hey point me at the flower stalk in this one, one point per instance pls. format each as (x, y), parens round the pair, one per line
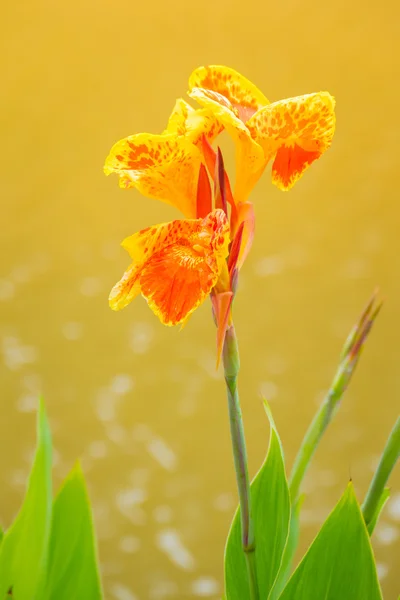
(348, 361)
(231, 364)
(391, 454)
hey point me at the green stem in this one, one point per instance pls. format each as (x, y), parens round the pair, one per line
(388, 460)
(231, 370)
(310, 442)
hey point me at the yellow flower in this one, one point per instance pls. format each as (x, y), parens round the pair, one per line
(166, 166)
(295, 132)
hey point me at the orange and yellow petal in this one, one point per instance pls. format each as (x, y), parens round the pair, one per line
(297, 130)
(164, 167)
(144, 243)
(250, 161)
(175, 281)
(244, 97)
(126, 289)
(175, 266)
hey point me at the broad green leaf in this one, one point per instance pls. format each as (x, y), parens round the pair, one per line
(271, 516)
(382, 501)
(289, 552)
(72, 570)
(339, 563)
(23, 551)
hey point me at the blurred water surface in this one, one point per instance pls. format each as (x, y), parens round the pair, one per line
(140, 403)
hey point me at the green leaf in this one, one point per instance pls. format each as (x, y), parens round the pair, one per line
(23, 551)
(289, 552)
(73, 570)
(271, 516)
(340, 562)
(379, 507)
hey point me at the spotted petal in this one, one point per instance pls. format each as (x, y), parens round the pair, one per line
(296, 131)
(244, 97)
(175, 266)
(166, 166)
(250, 161)
(193, 124)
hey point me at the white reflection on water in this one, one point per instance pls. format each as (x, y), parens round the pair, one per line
(394, 506)
(72, 331)
(356, 268)
(382, 570)
(121, 384)
(128, 499)
(129, 544)
(121, 592)
(162, 453)
(205, 586)
(28, 401)
(97, 449)
(91, 286)
(386, 534)
(162, 514)
(7, 289)
(163, 589)
(268, 390)
(269, 265)
(109, 398)
(141, 337)
(169, 541)
(21, 274)
(16, 354)
(224, 502)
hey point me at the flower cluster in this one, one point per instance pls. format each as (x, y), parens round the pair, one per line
(176, 265)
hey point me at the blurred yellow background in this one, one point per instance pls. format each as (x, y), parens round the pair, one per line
(139, 403)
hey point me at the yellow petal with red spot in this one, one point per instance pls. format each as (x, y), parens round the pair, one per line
(164, 167)
(177, 119)
(176, 265)
(126, 289)
(244, 97)
(297, 130)
(192, 124)
(144, 243)
(250, 161)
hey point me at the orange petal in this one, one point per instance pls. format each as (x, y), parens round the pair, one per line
(164, 167)
(204, 198)
(244, 97)
(178, 278)
(289, 165)
(298, 130)
(250, 161)
(210, 158)
(246, 216)
(176, 281)
(222, 310)
(141, 246)
(144, 243)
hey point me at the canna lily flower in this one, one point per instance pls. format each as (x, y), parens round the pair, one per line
(176, 265)
(293, 132)
(166, 166)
